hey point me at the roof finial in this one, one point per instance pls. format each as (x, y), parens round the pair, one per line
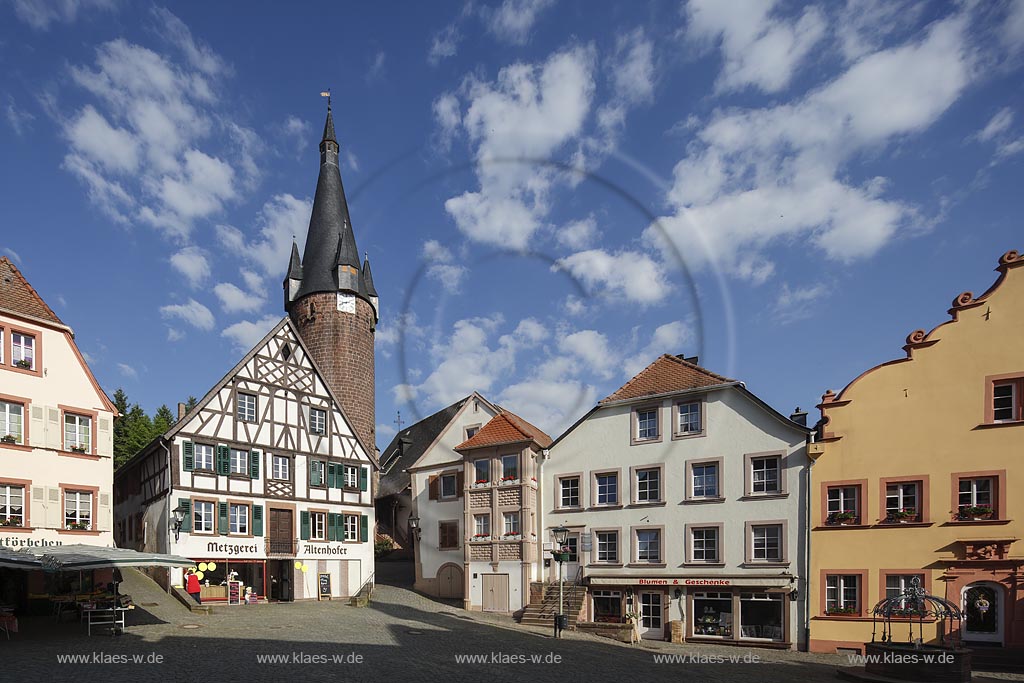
(327, 94)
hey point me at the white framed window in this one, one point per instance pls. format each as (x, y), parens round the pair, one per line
(202, 517)
(318, 526)
(607, 488)
(511, 523)
(764, 474)
(897, 584)
(902, 499)
(705, 480)
(317, 421)
(203, 456)
(77, 432)
(12, 505)
(569, 492)
(78, 509)
(239, 461)
(23, 350)
(843, 501)
(246, 407)
(471, 431)
(704, 544)
(766, 544)
(449, 486)
(482, 471)
(646, 424)
(648, 545)
(1006, 401)
(12, 422)
(607, 546)
(351, 477)
(689, 418)
(481, 526)
(842, 593)
(510, 467)
(280, 468)
(351, 527)
(238, 519)
(648, 485)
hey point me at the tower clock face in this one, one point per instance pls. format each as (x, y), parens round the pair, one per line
(346, 303)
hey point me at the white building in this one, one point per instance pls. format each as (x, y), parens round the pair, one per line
(686, 496)
(56, 426)
(269, 477)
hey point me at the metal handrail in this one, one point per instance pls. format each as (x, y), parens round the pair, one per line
(369, 580)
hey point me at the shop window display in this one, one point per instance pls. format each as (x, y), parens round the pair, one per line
(761, 616)
(608, 607)
(712, 615)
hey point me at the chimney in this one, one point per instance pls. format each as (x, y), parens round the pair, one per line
(799, 416)
(181, 411)
(691, 359)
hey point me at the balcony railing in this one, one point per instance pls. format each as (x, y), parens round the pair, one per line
(282, 546)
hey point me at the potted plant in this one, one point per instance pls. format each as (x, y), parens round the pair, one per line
(481, 537)
(903, 515)
(481, 482)
(24, 364)
(975, 512)
(78, 526)
(7, 521)
(79, 448)
(843, 518)
(8, 438)
(842, 611)
(510, 479)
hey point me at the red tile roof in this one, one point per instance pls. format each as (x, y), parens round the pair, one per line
(666, 375)
(18, 296)
(506, 427)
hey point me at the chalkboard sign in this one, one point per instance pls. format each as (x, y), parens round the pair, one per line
(234, 592)
(324, 583)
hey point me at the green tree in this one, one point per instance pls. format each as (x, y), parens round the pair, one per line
(163, 420)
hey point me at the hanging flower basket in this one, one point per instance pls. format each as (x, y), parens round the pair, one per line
(560, 557)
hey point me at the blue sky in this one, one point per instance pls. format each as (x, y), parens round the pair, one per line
(551, 194)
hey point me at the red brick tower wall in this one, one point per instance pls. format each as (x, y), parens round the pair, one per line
(342, 346)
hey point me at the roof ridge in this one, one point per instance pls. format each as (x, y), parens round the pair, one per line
(632, 388)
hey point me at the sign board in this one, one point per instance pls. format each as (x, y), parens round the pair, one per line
(234, 592)
(323, 581)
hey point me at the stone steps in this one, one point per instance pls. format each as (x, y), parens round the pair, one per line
(542, 612)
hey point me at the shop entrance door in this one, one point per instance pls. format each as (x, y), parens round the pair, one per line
(279, 580)
(983, 606)
(651, 625)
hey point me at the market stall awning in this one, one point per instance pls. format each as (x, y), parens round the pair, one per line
(13, 559)
(80, 557)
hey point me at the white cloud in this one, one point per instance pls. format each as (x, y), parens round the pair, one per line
(444, 44)
(193, 264)
(513, 20)
(574, 305)
(633, 67)
(794, 304)
(127, 371)
(198, 54)
(39, 14)
(448, 117)
(528, 114)
(246, 333)
(591, 347)
(191, 312)
(375, 70)
(281, 218)
(758, 49)
(628, 275)
(351, 160)
(252, 280)
(402, 327)
(578, 234)
(449, 276)
(434, 251)
(298, 132)
(18, 119)
(551, 404)
(235, 300)
(92, 136)
(863, 25)
(670, 338)
(759, 176)
(174, 334)
(385, 432)
(1012, 28)
(997, 125)
(13, 254)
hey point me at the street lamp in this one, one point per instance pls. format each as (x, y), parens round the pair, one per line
(179, 519)
(414, 524)
(561, 535)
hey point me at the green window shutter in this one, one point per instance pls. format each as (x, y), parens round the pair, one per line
(331, 475)
(304, 525)
(315, 474)
(188, 456)
(257, 520)
(332, 532)
(364, 528)
(364, 479)
(223, 460)
(186, 505)
(254, 464)
(223, 519)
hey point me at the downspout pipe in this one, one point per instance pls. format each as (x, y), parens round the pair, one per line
(167, 507)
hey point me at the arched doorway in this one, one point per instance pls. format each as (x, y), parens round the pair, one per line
(983, 613)
(449, 582)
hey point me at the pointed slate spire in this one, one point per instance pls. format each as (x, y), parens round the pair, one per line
(294, 264)
(329, 127)
(348, 253)
(368, 278)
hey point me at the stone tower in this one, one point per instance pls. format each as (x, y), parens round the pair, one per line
(331, 298)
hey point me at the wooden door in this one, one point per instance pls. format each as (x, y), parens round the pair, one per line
(449, 581)
(495, 588)
(280, 531)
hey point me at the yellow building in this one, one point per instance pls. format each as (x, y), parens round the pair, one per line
(920, 472)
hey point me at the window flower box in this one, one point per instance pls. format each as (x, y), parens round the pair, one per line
(7, 521)
(481, 482)
(79, 449)
(902, 516)
(510, 480)
(8, 438)
(844, 518)
(23, 364)
(842, 611)
(513, 535)
(907, 612)
(975, 512)
(78, 526)
(481, 537)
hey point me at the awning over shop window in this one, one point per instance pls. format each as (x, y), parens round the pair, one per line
(13, 559)
(81, 557)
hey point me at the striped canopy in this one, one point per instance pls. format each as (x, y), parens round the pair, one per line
(18, 560)
(77, 556)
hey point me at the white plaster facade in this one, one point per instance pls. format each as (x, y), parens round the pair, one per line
(735, 431)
